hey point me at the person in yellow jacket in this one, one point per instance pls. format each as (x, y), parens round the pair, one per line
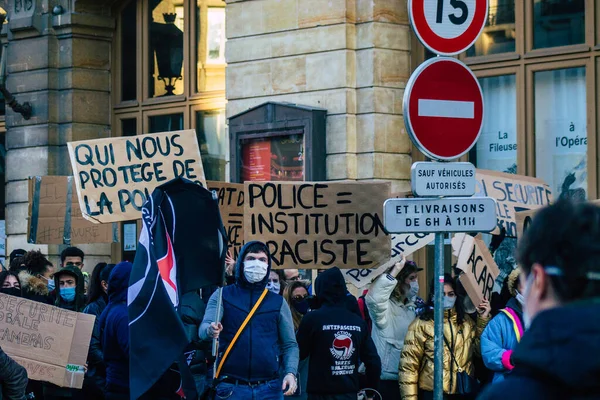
(461, 339)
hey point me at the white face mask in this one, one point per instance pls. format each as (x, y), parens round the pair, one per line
(274, 287)
(526, 316)
(414, 290)
(520, 299)
(255, 270)
(449, 302)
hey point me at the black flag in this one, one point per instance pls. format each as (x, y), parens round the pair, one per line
(182, 248)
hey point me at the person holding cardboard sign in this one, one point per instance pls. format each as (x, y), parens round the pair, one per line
(391, 306)
(461, 339)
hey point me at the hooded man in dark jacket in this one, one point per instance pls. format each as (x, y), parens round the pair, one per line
(70, 289)
(558, 357)
(114, 333)
(251, 370)
(69, 295)
(336, 339)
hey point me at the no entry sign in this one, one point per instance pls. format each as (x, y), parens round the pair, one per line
(448, 27)
(443, 108)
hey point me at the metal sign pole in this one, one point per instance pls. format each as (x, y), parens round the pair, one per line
(438, 317)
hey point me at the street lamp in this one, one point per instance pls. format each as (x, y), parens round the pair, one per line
(167, 41)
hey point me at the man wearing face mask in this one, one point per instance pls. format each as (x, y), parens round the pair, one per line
(251, 369)
(69, 296)
(391, 305)
(559, 354)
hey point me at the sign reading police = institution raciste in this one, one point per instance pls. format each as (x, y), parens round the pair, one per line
(450, 214)
(434, 179)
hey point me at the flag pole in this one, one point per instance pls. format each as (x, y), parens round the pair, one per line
(215, 341)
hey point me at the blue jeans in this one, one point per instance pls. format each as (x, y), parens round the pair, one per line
(267, 391)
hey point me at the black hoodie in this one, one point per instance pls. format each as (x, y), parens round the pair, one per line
(336, 339)
(557, 359)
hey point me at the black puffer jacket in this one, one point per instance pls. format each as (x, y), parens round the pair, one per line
(95, 357)
(13, 379)
(557, 359)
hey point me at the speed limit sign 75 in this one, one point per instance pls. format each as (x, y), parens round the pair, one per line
(448, 27)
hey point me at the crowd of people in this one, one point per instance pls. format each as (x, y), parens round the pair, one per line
(537, 339)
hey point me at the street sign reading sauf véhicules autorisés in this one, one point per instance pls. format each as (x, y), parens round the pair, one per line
(433, 179)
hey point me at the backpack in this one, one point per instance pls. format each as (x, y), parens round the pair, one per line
(364, 311)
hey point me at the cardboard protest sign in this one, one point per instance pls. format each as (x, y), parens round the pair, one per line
(50, 342)
(115, 176)
(402, 243)
(524, 219)
(480, 269)
(231, 205)
(513, 193)
(319, 225)
(55, 217)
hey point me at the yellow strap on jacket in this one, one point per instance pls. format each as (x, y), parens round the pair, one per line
(239, 332)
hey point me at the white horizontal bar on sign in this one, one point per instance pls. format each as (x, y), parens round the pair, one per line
(446, 108)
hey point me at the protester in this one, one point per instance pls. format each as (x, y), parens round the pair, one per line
(17, 264)
(36, 278)
(10, 284)
(336, 339)
(69, 296)
(559, 355)
(251, 369)
(13, 379)
(296, 295)
(72, 256)
(391, 307)
(95, 377)
(461, 339)
(290, 275)
(274, 282)
(504, 332)
(69, 282)
(16, 253)
(114, 328)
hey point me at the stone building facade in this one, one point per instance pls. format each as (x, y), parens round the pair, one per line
(90, 69)
(350, 57)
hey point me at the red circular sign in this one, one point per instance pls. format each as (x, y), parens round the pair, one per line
(448, 27)
(443, 108)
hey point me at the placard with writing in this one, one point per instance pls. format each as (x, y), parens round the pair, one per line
(55, 216)
(513, 193)
(319, 225)
(231, 205)
(480, 269)
(50, 342)
(406, 243)
(115, 176)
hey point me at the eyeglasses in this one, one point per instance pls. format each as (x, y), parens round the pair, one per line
(294, 278)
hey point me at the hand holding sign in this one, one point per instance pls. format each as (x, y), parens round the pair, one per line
(398, 266)
(484, 309)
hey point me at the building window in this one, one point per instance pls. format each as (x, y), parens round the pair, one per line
(170, 73)
(213, 142)
(499, 33)
(561, 130)
(496, 148)
(558, 23)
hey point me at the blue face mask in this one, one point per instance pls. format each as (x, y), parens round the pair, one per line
(67, 294)
(301, 306)
(51, 284)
